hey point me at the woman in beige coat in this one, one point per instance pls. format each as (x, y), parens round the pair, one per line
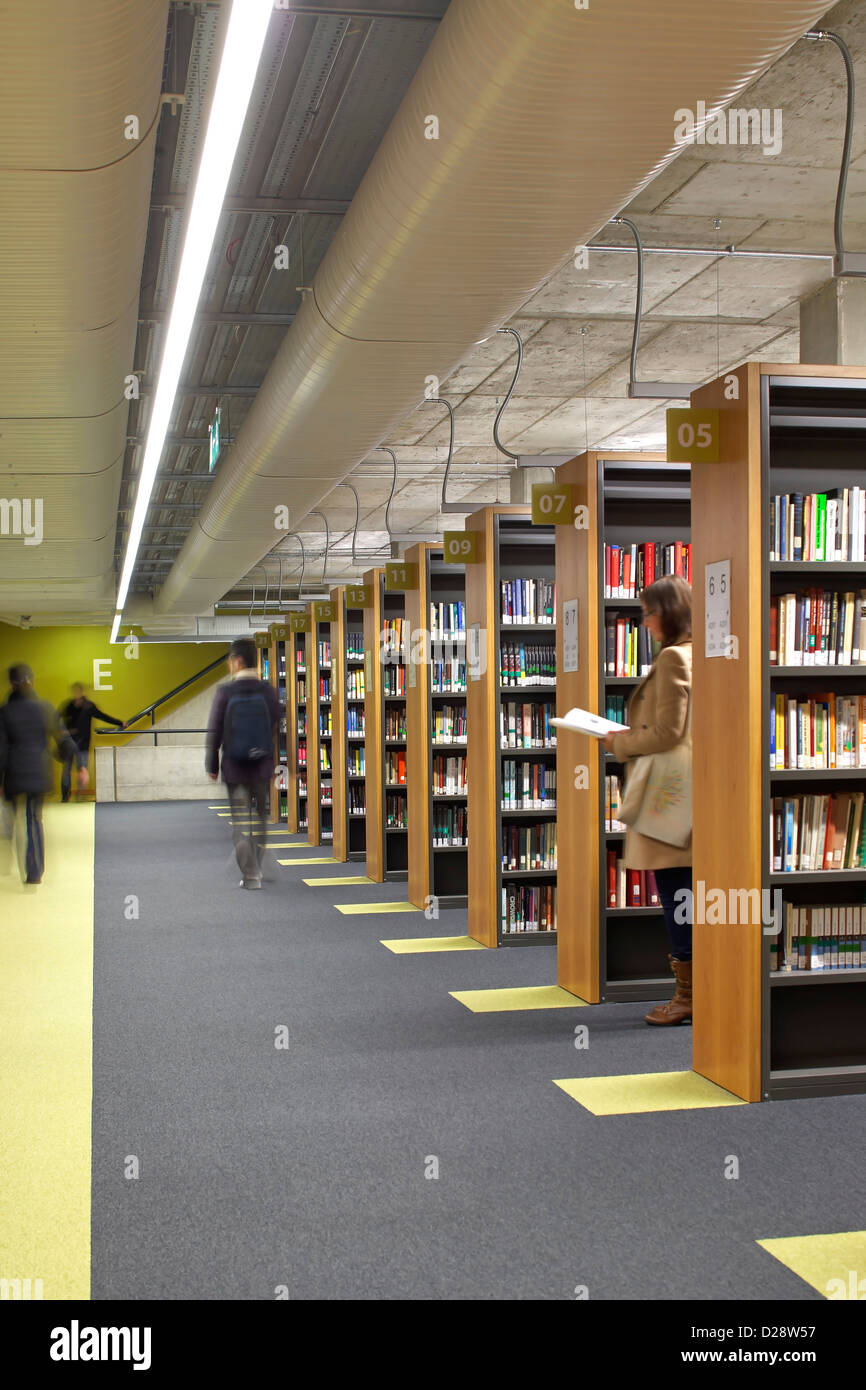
(658, 719)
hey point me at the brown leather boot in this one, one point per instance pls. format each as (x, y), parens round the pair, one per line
(679, 1010)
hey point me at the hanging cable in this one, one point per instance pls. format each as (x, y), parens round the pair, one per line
(386, 450)
(327, 543)
(439, 400)
(354, 492)
(496, 440)
(827, 35)
(303, 563)
(635, 337)
(280, 594)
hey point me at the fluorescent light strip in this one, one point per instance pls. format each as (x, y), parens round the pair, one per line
(245, 39)
(114, 629)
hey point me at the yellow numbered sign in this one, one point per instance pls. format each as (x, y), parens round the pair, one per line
(552, 504)
(325, 612)
(299, 622)
(693, 436)
(359, 596)
(399, 576)
(263, 639)
(461, 547)
(278, 632)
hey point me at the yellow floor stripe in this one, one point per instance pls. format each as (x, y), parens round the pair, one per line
(307, 861)
(331, 882)
(494, 1001)
(835, 1265)
(372, 909)
(46, 1027)
(647, 1093)
(420, 945)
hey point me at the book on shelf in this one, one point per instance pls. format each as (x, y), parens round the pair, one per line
(324, 687)
(393, 638)
(357, 762)
(629, 887)
(448, 675)
(325, 728)
(527, 725)
(355, 685)
(395, 724)
(818, 627)
(817, 732)
(355, 725)
(447, 621)
(820, 833)
(524, 664)
(324, 649)
(613, 791)
(630, 568)
(527, 601)
(449, 775)
(528, 786)
(449, 827)
(528, 847)
(528, 908)
(395, 812)
(302, 691)
(355, 645)
(628, 647)
(395, 768)
(394, 680)
(357, 799)
(449, 724)
(826, 936)
(325, 759)
(828, 527)
(583, 721)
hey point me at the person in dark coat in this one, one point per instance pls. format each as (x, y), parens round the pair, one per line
(27, 726)
(241, 739)
(78, 715)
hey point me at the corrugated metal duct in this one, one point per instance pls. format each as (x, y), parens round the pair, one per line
(74, 193)
(550, 119)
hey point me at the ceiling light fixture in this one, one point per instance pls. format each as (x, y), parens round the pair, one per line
(245, 37)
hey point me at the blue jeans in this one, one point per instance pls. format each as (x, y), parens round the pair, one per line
(30, 803)
(670, 882)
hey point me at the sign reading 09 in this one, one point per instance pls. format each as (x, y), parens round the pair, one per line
(461, 547)
(693, 436)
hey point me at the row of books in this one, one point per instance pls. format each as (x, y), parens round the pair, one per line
(355, 684)
(447, 620)
(325, 724)
(302, 784)
(528, 907)
(615, 707)
(324, 650)
(630, 568)
(526, 726)
(449, 724)
(324, 687)
(395, 812)
(324, 759)
(820, 731)
(393, 680)
(300, 657)
(355, 645)
(526, 663)
(355, 721)
(394, 636)
(302, 692)
(628, 648)
(815, 833)
(829, 936)
(302, 754)
(526, 847)
(326, 794)
(395, 723)
(629, 887)
(612, 802)
(527, 601)
(395, 768)
(818, 627)
(448, 676)
(356, 762)
(449, 775)
(449, 827)
(820, 526)
(528, 786)
(302, 724)
(357, 799)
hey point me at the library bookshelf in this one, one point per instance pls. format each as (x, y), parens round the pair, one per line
(280, 785)
(347, 718)
(435, 682)
(760, 1030)
(387, 835)
(320, 756)
(509, 907)
(605, 952)
(296, 720)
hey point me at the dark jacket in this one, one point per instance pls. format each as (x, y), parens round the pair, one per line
(232, 771)
(27, 726)
(78, 719)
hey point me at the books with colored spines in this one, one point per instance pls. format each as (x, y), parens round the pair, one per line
(817, 833)
(523, 664)
(528, 908)
(527, 601)
(630, 568)
(817, 732)
(395, 812)
(449, 775)
(818, 627)
(528, 786)
(449, 724)
(627, 647)
(629, 887)
(395, 768)
(447, 621)
(526, 725)
(817, 527)
(449, 827)
(529, 847)
(826, 936)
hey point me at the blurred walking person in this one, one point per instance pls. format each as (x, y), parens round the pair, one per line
(77, 715)
(240, 740)
(28, 725)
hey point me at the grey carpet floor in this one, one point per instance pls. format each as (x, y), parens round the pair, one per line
(305, 1167)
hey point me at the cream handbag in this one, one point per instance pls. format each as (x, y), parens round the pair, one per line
(658, 794)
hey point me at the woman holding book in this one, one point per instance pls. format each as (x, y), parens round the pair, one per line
(658, 720)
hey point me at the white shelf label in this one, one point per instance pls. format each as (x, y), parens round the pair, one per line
(569, 635)
(717, 606)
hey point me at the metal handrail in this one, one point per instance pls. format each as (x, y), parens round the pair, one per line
(162, 700)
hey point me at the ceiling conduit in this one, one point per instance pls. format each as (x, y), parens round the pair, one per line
(547, 120)
(75, 193)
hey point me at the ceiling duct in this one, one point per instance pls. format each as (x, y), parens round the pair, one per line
(526, 128)
(78, 80)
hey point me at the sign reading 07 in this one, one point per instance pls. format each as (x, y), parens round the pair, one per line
(359, 596)
(299, 622)
(325, 612)
(461, 547)
(400, 576)
(552, 504)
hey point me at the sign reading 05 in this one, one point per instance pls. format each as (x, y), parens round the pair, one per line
(693, 436)
(461, 547)
(325, 612)
(552, 504)
(359, 596)
(400, 576)
(299, 622)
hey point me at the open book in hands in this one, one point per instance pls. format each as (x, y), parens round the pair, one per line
(582, 721)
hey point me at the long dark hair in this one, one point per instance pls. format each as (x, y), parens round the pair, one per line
(670, 599)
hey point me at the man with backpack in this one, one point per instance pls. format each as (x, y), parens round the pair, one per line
(243, 721)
